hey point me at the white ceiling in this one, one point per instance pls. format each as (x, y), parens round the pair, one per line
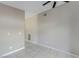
(30, 7)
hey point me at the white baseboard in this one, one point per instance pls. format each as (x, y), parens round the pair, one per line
(66, 52)
(6, 54)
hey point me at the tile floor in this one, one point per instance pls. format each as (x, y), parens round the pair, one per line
(36, 51)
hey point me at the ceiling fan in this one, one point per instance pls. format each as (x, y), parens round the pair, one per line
(54, 4)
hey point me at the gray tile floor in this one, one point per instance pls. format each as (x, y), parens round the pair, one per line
(36, 51)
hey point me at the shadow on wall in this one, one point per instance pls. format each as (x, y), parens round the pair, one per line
(74, 28)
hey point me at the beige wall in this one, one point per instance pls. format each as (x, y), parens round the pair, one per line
(11, 29)
(32, 28)
(59, 29)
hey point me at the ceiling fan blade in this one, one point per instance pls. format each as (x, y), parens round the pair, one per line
(66, 1)
(54, 4)
(46, 3)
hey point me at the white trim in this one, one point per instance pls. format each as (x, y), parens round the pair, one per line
(66, 52)
(6, 54)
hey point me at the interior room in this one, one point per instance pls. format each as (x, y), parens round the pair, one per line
(39, 29)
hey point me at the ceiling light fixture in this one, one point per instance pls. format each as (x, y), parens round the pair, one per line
(54, 4)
